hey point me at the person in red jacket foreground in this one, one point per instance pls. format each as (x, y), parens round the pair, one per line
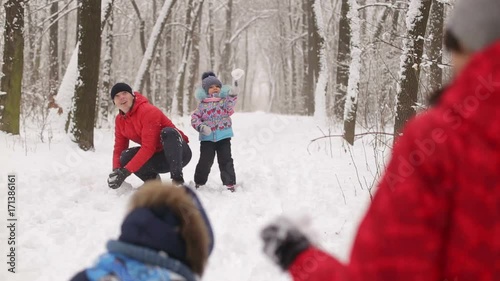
(436, 213)
(164, 148)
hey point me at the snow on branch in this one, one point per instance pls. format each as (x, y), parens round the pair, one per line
(246, 25)
(387, 5)
(153, 41)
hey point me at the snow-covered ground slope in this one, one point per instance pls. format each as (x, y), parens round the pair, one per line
(66, 212)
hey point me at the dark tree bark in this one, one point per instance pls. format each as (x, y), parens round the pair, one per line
(142, 30)
(169, 81)
(53, 54)
(152, 43)
(343, 60)
(211, 34)
(225, 68)
(351, 101)
(181, 73)
(195, 58)
(305, 56)
(89, 36)
(313, 65)
(410, 70)
(436, 45)
(12, 68)
(105, 103)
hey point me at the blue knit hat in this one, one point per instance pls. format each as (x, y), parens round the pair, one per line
(208, 79)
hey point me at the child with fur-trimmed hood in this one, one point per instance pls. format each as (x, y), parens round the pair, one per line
(212, 120)
(165, 236)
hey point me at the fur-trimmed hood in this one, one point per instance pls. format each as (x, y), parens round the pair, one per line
(171, 219)
(201, 94)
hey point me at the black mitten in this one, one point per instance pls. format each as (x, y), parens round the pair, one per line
(283, 242)
(117, 177)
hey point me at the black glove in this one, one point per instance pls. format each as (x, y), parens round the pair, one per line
(283, 242)
(117, 177)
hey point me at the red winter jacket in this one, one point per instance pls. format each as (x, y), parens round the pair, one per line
(142, 124)
(436, 213)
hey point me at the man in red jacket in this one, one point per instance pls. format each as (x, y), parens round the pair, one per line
(436, 213)
(164, 148)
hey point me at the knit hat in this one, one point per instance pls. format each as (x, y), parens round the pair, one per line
(208, 79)
(169, 219)
(120, 87)
(475, 23)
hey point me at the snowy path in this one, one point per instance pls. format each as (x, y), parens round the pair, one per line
(67, 213)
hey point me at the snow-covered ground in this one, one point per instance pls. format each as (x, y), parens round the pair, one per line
(66, 212)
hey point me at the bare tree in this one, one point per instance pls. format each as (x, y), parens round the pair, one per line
(313, 62)
(89, 36)
(321, 79)
(408, 84)
(343, 60)
(435, 52)
(191, 14)
(105, 104)
(53, 49)
(211, 34)
(351, 101)
(12, 69)
(153, 41)
(142, 36)
(225, 68)
(194, 64)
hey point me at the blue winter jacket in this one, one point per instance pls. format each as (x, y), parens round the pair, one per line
(127, 262)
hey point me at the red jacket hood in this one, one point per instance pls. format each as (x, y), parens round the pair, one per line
(474, 95)
(138, 100)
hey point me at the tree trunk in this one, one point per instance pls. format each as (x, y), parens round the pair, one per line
(142, 30)
(89, 36)
(293, 58)
(211, 34)
(436, 45)
(395, 22)
(64, 44)
(245, 78)
(53, 54)
(305, 57)
(105, 104)
(285, 96)
(343, 61)
(313, 65)
(351, 103)
(225, 68)
(34, 45)
(169, 82)
(321, 68)
(408, 83)
(195, 59)
(153, 41)
(382, 21)
(181, 72)
(12, 68)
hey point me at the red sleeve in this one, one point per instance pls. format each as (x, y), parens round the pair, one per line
(316, 265)
(403, 234)
(151, 128)
(121, 143)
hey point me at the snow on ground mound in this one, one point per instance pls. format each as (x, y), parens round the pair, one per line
(67, 213)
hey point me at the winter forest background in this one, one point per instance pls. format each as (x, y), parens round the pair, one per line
(362, 65)
(328, 85)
